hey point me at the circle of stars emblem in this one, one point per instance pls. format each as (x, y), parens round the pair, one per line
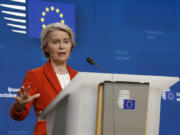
(129, 104)
(51, 9)
(170, 96)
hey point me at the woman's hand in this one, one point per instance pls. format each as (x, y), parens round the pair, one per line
(23, 98)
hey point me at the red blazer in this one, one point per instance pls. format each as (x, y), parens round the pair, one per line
(42, 80)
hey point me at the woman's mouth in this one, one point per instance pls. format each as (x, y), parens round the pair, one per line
(61, 53)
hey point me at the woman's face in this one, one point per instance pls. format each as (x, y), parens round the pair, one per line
(59, 46)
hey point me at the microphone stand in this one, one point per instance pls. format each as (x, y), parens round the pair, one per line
(92, 62)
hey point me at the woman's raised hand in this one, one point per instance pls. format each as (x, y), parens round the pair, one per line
(23, 98)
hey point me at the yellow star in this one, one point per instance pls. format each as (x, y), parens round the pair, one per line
(61, 15)
(43, 13)
(62, 21)
(52, 8)
(42, 19)
(57, 10)
(47, 9)
(43, 26)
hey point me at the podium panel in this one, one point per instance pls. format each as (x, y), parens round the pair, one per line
(118, 118)
(59, 123)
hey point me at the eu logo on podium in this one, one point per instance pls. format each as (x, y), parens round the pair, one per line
(171, 96)
(129, 104)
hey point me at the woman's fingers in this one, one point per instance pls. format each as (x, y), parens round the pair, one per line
(20, 92)
(35, 96)
(31, 98)
(23, 95)
(27, 90)
(22, 100)
(17, 98)
(24, 92)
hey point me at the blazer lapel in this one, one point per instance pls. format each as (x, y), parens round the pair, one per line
(51, 76)
(71, 71)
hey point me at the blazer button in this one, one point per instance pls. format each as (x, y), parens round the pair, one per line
(39, 112)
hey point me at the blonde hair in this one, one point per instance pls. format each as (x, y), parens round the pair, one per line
(53, 27)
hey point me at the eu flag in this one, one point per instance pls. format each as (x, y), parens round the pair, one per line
(129, 104)
(170, 96)
(42, 13)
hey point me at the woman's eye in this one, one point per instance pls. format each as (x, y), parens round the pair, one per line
(55, 42)
(66, 41)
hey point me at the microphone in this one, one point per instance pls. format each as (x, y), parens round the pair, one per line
(92, 62)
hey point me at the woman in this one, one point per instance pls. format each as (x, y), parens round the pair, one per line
(43, 84)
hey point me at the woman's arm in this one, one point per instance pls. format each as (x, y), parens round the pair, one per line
(25, 98)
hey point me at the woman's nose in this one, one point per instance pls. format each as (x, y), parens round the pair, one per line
(61, 45)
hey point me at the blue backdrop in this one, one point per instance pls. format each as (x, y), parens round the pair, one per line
(124, 36)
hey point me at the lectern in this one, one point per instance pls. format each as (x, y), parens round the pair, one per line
(93, 104)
